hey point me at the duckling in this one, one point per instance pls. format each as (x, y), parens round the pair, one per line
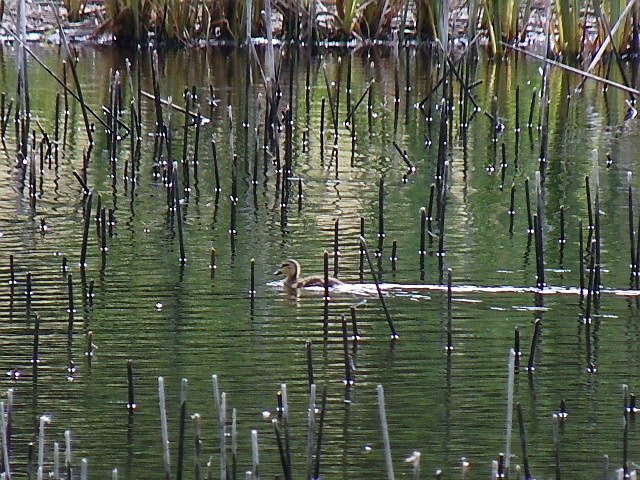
(291, 270)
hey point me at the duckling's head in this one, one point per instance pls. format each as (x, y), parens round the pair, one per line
(289, 268)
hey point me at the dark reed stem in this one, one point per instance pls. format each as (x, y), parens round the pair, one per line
(637, 256)
(35, 358)
(71, 310)
(131, 402)
(517, 118)
(309, 351)
(381, 208)
(85, 231)
(363, 246)
(423, 232)
(563, 238)
(28, 294)
(632, 241)
(581, 256)
(587, 186)
(591, 284)
(323, 409)
(532, 108)
(178, 211)
(523, 443)
(361, 251)
(103, 231)
(394, 255)
(252, 290)
(527, 195)
(325, 279)
(215, 165)
(512, 208)
(336, 246)
(197, 442)
(539, 243)
(212, 264)
(354, 323)
(449, 313)
(537, 328)
(432, 192)
(556, 444)
(322, 132)
(405, 157)
(516, 348)
(282, 455)
(181, 431)
(76, 80)
(345, 350)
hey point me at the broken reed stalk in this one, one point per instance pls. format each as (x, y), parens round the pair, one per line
(363, 246)
(85, 231)
(385, 432)
(164, 429)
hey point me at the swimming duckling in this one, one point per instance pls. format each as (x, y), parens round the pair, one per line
(291, 269)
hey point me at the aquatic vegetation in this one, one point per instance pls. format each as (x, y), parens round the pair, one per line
(576, 28)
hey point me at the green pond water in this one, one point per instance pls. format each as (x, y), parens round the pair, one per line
(176, 321)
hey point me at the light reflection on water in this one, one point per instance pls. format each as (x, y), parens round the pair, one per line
(177, 322)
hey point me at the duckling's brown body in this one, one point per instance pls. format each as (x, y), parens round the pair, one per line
(291, 270)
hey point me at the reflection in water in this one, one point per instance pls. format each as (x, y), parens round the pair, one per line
(444, 380)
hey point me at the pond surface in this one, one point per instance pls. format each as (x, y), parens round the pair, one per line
(176, 320)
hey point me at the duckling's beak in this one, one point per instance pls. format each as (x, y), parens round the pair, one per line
(278, 272)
